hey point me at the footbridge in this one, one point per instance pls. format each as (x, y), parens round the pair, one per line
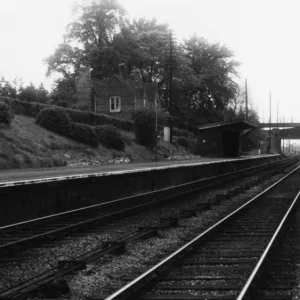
(282, 131)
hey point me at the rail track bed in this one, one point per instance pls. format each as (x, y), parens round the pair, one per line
(229, 260)
(80, 262)
(29, 233)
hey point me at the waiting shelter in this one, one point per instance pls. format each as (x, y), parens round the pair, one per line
(222, 139)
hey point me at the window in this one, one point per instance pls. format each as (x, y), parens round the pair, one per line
(114, 104)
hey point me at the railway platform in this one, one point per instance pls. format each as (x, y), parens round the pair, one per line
(30, 194)
(32, 176)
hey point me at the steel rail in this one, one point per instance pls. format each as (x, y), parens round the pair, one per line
(266, 252)
(144, 279)
(172, 191)
(116, 201)
(73, 264)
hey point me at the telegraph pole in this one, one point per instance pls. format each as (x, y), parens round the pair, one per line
(270, 131)
(277, 114)
(170, 86)
(246, 96)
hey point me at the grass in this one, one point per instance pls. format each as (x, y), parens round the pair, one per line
(27, 145)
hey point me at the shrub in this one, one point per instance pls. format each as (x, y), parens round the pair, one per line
(188, 126)
(56, 120)
(182, 132)
(94, 119)
(182, 141)
(32, 109)
(6, 114)
(84, 133)
(144, 127)
(110, 136)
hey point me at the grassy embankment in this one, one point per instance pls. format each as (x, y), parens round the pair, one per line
(27, 145)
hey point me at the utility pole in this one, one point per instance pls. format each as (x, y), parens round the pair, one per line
(170, 86)
(277, 114)
(270, 131)
(246, 96)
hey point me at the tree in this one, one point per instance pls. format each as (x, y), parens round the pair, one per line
(236, 110)
(31, 94)
(63, 91)
(102, 38)
(214, 70)
(93, 33)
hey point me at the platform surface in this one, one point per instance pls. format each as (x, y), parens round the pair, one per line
(30, 176)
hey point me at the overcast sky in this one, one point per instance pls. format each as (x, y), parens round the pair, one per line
(264, 34)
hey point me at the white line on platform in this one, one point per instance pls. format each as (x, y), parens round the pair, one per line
(105, 173)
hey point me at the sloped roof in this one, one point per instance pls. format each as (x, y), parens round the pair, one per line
(242, 125)
(99, 87)
(137, 88)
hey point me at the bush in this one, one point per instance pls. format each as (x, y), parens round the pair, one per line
(188, 126)
(182, 141)
(182, 132)
(110, 136)
(94, 119)
(83, 133)
(25, 108)
(54, 119)
(144, 127)
(6, 114)
(32, 109)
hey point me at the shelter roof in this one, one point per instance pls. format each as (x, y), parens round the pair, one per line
(240, 125)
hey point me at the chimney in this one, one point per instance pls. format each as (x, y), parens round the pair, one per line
(84, 88)
(136, 75)
(122, 70)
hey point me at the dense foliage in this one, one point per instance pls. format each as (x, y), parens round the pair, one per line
(32, 109)
(56, 120)
(110, 136)
(183, 132)
(6, 114)
(29, 93)
(182, 141)
(202, 73)
(83, 133)
(144, 127)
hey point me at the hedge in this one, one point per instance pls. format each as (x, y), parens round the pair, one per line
(58, 121)
(110, 136)
(187, 126)
(144, 127)
(182, 141)
(182, 132)
(6, 114)
(32, 109)
(55, 120)
(84, 133)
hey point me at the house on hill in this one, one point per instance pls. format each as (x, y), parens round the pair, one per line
(117, 96)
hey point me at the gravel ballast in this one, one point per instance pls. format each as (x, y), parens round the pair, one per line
(101, 279)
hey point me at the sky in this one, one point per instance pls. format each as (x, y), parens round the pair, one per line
(264, 35)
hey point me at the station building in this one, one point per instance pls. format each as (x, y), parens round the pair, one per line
(222, 139)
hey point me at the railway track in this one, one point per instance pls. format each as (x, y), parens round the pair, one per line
(14, 237)
(68, 266)
(231, 258)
